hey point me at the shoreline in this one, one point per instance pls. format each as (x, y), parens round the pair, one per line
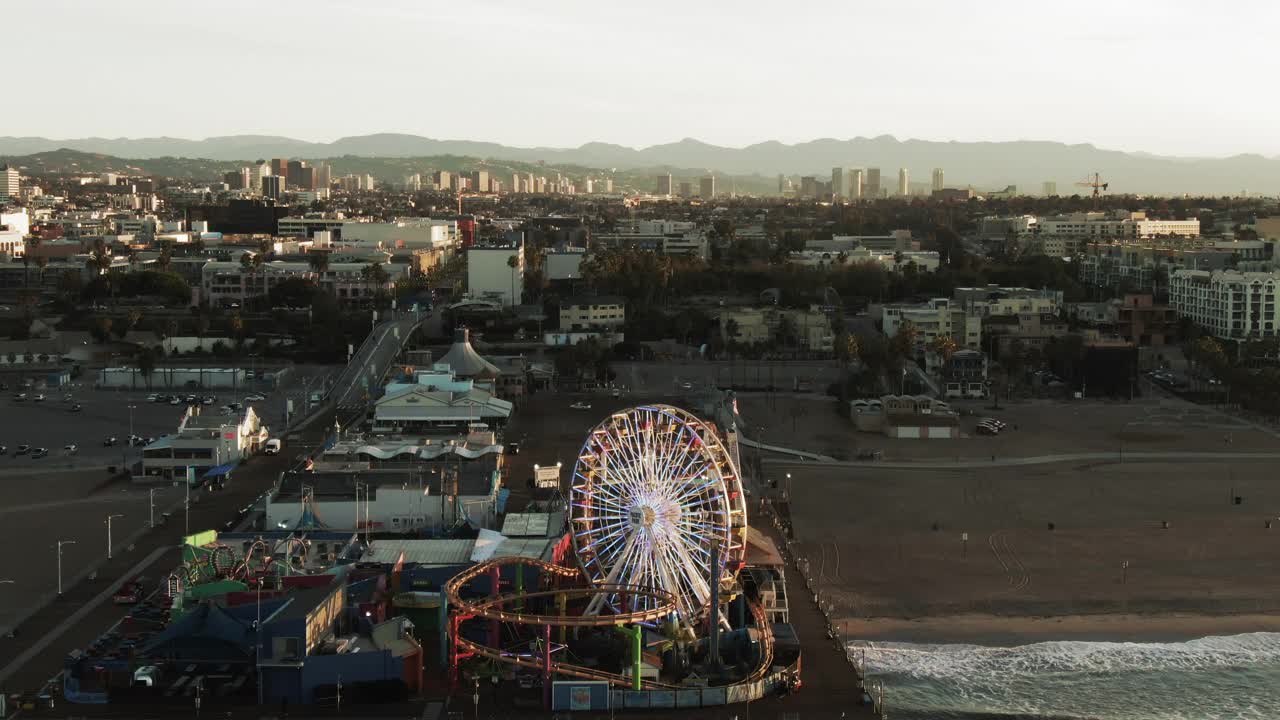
(1012, 631)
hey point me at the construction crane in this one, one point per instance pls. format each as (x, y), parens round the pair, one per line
(1096, 183)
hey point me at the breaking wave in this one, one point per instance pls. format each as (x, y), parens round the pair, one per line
(1236, 677)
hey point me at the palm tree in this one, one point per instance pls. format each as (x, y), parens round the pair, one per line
(319, 261)
(513, 262)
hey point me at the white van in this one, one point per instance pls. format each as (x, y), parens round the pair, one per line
(272, 447)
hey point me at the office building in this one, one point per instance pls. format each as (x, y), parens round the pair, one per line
(872, 187)
(707, 187)
(904, 183)
(838, 176)
(324, 176)
(480, 181)
(273, 186)
(664, 184)
(782, 183)
(280, 166)
(413, 183)
(294, 175)
(1227, 303)
(444, 180)
(938, 182)
(258, 171)
(854, 189)
(1050, 189)
(9, 181)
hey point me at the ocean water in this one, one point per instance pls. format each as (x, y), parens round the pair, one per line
(1230, 677)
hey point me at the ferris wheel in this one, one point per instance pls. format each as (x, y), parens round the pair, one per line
(653, 490)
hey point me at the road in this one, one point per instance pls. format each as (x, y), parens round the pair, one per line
(354, 387)
(665, 377)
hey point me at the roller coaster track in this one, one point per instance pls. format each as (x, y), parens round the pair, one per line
(491, 608)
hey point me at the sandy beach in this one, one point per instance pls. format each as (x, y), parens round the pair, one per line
(996, 631)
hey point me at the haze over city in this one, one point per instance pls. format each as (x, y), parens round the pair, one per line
(565, 73)
(494, 359)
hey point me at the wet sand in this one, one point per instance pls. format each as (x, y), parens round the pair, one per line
(997, 631)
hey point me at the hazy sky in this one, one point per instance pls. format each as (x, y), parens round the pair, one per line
(1174, 77)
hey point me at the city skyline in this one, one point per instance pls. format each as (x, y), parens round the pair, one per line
(1056, 66)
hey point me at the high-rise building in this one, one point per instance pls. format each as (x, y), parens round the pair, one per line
(872, 188)
(273, 186)
(444, 180)
(782, 183)
(938, 181)
(280, 166)
(904, 183)
(1050, 189)
(9, 181)
(686, 189)
(413, 183)
(854, 190)
(480, 181)
(233, 180)
(838, 176)
(324, 176)
(300, 175)
(707, 187)
(663, 184)
(808, 186)
(608, 185)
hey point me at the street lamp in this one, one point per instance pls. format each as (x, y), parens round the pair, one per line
(152, 514)
(109, 519)
(60, 544)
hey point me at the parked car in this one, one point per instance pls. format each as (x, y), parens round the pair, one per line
(20, 397)
(175, 400)
(153, 398)
(70, 449)
(38, 398)
(109, 442)
(868, 454)
(254, 398)
(21, 450)
(75, 408)
(129, 593)
(3, 450)
(38, 453)
(512, 447)
(581, 405)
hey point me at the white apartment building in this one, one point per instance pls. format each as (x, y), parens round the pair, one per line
(904, 183)
(489, 274)
(939, 317)
(228, 282)
(10, 181)
(938, 179)
(399, 233)
(1227, 303)
(1123, 226)
(588, 313)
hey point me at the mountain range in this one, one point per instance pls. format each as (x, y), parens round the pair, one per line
(983, 165)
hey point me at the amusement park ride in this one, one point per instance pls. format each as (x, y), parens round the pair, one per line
(658, 523)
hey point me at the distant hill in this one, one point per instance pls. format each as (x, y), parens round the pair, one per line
(982, 164)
